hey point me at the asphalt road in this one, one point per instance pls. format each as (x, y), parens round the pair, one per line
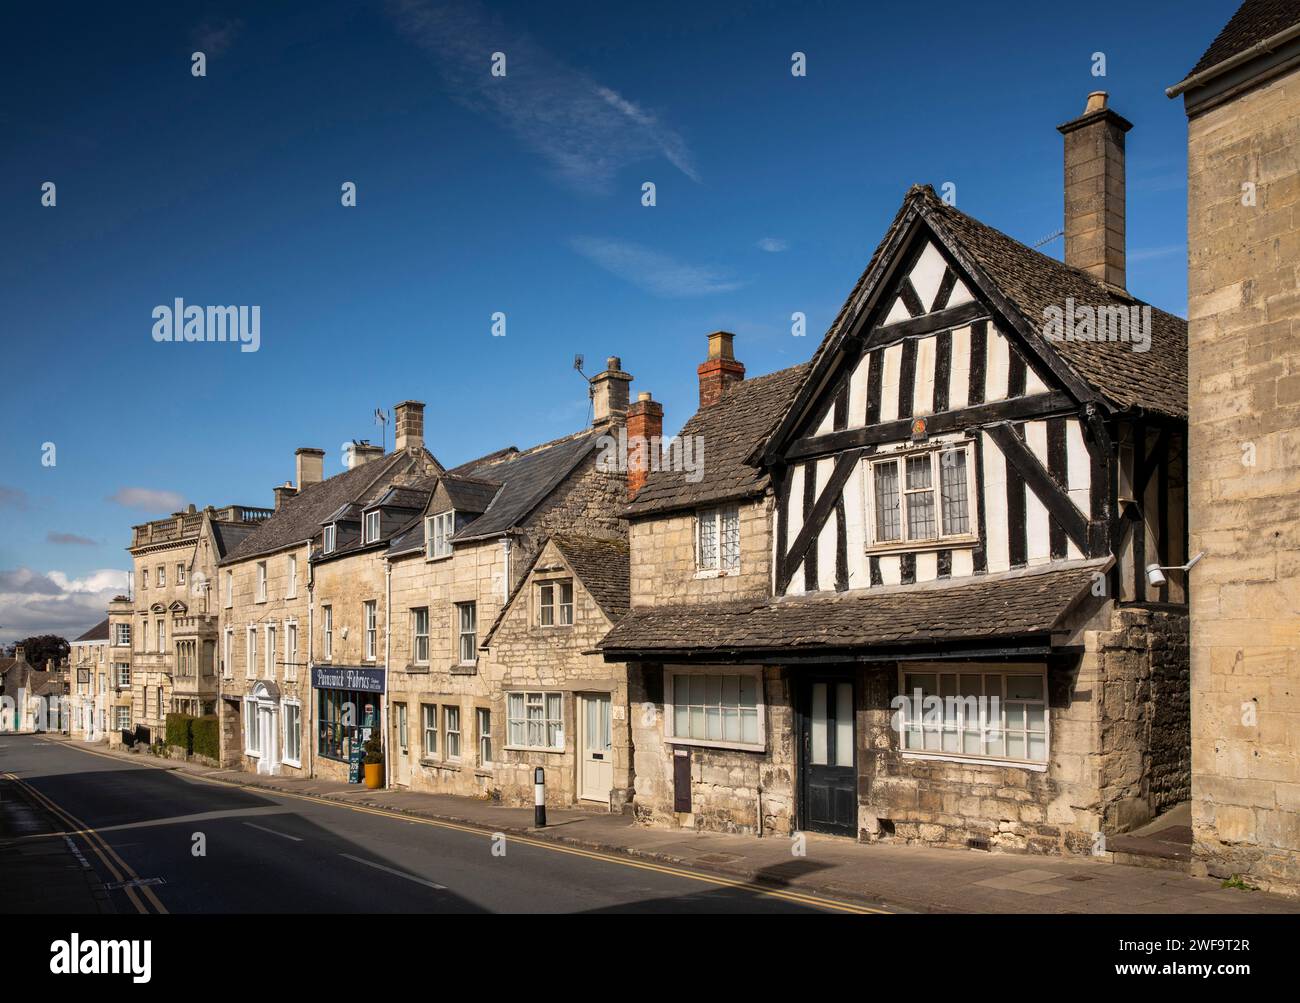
(141, 829)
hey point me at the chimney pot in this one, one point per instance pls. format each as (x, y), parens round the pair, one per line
(645, 429)
(409, 426)
(309, 466)
(720, 370)
(1094, 190)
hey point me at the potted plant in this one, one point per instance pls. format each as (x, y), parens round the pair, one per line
(374, 760)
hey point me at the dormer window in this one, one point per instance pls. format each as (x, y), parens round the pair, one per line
(372, 526)
(555, 604)
(328, 539)
(437, 534)
(717, 539)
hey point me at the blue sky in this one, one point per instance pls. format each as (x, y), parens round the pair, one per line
(478, 194)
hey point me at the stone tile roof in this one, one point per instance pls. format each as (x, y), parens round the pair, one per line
(1255, 21)
(729, 430)
(99, 632)
(301, 516)
(229, 535)
(982, 608)
(603, 566)
(470, 494)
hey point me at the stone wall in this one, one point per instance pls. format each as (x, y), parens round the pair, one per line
(1244, 361)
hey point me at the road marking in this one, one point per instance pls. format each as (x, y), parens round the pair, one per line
(801, 898)
(100, 846)
(400, 874)
(283, 835)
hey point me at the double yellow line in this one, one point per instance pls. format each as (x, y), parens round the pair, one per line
(120, 871)
(801, 898)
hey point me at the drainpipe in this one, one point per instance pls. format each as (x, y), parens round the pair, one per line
(311, 657)
(388, 651)
(505, 582)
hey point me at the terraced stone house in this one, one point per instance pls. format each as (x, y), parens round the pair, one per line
(909, 599)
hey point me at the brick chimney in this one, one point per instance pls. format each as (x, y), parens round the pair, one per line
(409, 426)
(609, 391)
(309, 466)
(1094, 190)
(645, 429)
(363, 451)
(720, 370)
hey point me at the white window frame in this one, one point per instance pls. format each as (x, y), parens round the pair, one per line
(425, 751)
(122, 635)
(123, 674)
(898, 458)
(327, 632)
(252, 730)
(290, 650)
(230, 589)
(180, 574)
(262, 588)
(753, 671)
(161, 636)
(900, 720)
(250, 651)
(371, 526)
(144, 578)
(517, 727)
(297, 710)
(291, 587)
(461, 633)
(561, 613)
(447, 731)
(438, 531)
(416, 636)
(161, 576)
(271, 631)
(483, 736)
(227, 652)
(716, 516)
(122, 713)
(328, 539)
(370, 616)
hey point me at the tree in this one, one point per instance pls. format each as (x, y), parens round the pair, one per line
(37, 650)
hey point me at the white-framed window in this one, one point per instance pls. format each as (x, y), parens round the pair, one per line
(921, 497)
(720, 706)
(162, 636)
(144, 578)
(372, 526)
(483, 729)
(162, 575)
(252, 733)
(372, 629)
(988, 713)
(327, 539)
(250, 667)
(228, 583)
(467, 630)
(122, 717)
(162, 711)
(717, 539)
(180, 574)
(261, 581)
(535, 720)
(291, 586)
(555, 604)
(122, 635)
(123, 674)
(451, 731)
(327, 632)
(292, 732)
(438, 530)
(420, 635)
(291, 650)
(429, 717)
(270, 651)
(227, 653)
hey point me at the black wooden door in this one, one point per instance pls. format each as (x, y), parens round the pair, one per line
(828, 773)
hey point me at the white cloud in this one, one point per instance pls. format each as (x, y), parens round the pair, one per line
(773, 245)
(652, 271)
(214, 37)
(69, 539)
(148, 499)
(55, 603)
(1163, 251)
(586, 131)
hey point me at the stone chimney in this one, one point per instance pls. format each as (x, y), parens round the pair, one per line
(720, 370)
(309, 466)
(645, 429)
(283, 493)
(1094, 190)
(609, 391)
(362, 451)
(20, 653)
(409, 426)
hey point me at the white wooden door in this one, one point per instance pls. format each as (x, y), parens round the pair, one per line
(270, 761)
(596, 755)
(401, 746)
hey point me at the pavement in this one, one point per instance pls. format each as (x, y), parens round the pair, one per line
(891, 878)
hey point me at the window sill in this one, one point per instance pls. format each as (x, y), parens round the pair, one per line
(948, 757)
(716, 573)
(295, 763)
(705, 744)
(441, 764)
(459, 669)
(439, 557)
(417, 669)
(544, 749)
(922, 546)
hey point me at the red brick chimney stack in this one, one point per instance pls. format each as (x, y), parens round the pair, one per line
(645, 428)
(720, 370)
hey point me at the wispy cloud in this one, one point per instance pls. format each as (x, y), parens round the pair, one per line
(54, 603)
(772, 245)
(652, 271)
(586, 132)
(15, 498)
(69, 539)
(1163, 251)
(148, 499)
(214, 37)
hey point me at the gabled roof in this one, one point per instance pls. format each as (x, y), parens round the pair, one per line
(401, 498)
(729, 431)
(470, 494)
(229, 535)
(99, 632)
(981, 609)
(299, 518)
(1255, 22)
(601, 564)
(1020, 283)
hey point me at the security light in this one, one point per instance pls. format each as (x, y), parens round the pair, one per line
(1156, 572)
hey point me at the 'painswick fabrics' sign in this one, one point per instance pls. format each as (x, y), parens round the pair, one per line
(342, 677)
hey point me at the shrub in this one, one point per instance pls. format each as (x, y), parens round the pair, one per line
(178, 732)
(206, 733)
(374, 748)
